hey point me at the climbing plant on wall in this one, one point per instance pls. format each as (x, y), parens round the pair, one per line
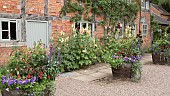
(112, 11)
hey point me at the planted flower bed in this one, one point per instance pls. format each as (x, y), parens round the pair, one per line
(31, 72)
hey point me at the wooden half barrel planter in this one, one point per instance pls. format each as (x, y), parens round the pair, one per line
(24, 93)
(159, 58)
(125, 71)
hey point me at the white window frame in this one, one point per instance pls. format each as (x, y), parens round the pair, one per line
(128, 1)
(143, 3)
(18, 33)
(144, 29)
(87, 26)
(134, 31)
(147, 5)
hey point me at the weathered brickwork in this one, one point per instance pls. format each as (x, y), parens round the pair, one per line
(35, 7)
(5, 54)
(10, 6)
(54, 6)
(146, 38)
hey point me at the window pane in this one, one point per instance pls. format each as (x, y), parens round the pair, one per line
(144, 27)
(13, 30)
(4, 25)
(5, 35)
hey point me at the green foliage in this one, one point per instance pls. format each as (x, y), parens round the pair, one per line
(111, 10)
(79, 50)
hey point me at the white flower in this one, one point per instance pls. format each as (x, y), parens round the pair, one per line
(7, 89)
(62, 33)
(84, 51)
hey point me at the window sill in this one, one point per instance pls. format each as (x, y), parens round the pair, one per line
(12, 43)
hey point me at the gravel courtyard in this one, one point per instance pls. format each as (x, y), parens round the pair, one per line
(155, 82)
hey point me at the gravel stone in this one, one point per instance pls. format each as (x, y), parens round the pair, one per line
(155, 81)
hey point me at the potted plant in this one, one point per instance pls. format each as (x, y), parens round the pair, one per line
(159, 50)
(124, 58)
(31, 72)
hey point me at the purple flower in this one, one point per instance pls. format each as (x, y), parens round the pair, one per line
(25, 81)
(137, 57)
(140, 57)
(10, 81)
(3, 77)
(133, 60)
(3, 82)
(114, 56)
(17, 89)
(125, 59)
(20, 82)
(33, 79)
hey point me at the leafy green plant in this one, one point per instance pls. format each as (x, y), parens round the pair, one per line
(79, 50)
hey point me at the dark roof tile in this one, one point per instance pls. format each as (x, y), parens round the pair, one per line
(159, 8)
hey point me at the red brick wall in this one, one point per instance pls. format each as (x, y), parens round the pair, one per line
(146, 38)
(61, 25)
(5, 54)
(10, 6)
(54, 6)
(99, 33)
(35, 7)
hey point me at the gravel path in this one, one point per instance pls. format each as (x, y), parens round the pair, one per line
(155, 82)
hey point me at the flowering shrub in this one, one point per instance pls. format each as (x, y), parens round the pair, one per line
(78, 50)
(31, 69)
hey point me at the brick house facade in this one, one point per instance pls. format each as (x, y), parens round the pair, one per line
(25, 21)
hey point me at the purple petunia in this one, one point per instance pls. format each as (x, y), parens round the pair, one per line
(20, 82)
(114, 56)
(33, 79)
(10, 81)
(25, 81)
(133, 60)
(3, 77)
(17, 89)
(3, 82)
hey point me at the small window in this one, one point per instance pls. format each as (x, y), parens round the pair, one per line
(144, 29)
(134, 30)
(84, 27)
(8, 31)
(143, 3)
(127, 1)
(147, 5)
